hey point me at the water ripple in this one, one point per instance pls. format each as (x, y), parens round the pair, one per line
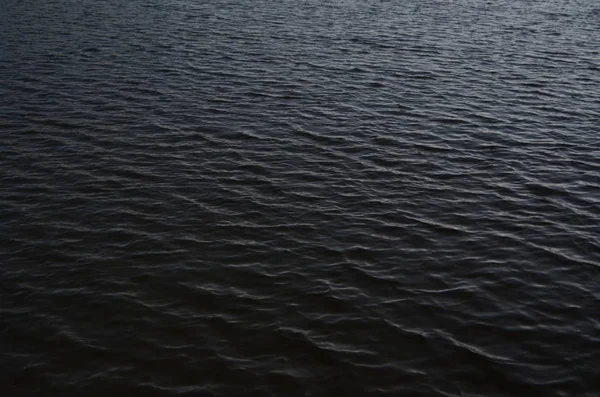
(299, 198)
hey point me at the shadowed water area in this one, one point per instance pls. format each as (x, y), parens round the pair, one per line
(299, 198)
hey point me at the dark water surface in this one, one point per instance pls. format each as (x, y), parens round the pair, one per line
(300, 198)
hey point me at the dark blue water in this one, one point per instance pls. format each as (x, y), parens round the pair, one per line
(300, 198)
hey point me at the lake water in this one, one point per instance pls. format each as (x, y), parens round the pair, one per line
(300, 198)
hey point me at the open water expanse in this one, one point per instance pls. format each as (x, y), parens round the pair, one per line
(300, 198)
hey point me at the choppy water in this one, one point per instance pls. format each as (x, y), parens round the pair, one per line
(300, 198)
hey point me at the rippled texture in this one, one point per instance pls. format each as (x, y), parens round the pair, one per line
(299, 198)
